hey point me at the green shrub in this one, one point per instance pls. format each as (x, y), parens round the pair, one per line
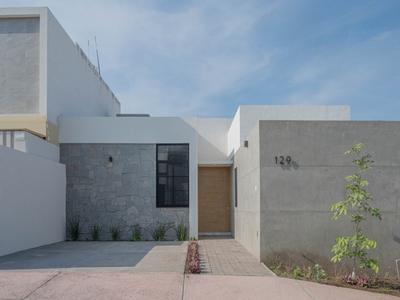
(159, 232)
(74, 227)
(95, 231)
(115, 232)
(319, 273)
(181, 230)
(297, 272)
(135, 234)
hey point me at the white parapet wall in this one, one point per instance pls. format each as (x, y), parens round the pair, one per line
(212, 139)
(32, 201)
(247, 116)
(74, 87)
(29, 143)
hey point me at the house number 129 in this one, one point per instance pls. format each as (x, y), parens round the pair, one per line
(281, 160)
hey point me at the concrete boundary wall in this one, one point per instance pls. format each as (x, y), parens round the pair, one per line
(32, 201)
(295, 197)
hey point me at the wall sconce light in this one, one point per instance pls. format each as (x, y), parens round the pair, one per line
(246, 144)
(110, 159)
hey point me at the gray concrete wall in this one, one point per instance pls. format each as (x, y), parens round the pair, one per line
(122, 192)
(19, 66)
(295, 198)
(247, 213)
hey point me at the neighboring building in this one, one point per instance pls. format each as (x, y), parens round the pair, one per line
(222, 176)
(44, 75)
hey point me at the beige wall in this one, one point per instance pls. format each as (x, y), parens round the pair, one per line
(37, 125)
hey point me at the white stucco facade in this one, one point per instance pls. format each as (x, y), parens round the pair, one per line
(212, 140)
(32, 201)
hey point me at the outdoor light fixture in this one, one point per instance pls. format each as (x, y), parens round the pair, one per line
(246, 144)
(110, 159)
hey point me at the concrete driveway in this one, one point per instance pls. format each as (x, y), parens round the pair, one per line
(121, 257)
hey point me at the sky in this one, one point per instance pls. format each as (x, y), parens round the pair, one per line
(205, 58)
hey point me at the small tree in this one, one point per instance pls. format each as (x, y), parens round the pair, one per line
(355, 246)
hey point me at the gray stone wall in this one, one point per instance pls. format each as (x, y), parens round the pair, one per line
(122, 192)
(19, 66)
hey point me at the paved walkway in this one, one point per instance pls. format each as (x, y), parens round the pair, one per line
(221, 255)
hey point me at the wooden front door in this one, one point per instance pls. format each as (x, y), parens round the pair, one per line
(214, 200)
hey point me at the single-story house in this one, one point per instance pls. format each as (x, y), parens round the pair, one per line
(267, 176)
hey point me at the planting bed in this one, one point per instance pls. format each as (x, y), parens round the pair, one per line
(193, 259)
(389, 286)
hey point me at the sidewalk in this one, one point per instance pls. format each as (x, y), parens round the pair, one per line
(99, 286)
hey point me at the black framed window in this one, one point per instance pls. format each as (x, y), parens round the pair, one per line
(172, 175)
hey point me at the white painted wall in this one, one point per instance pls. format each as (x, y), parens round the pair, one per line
(134, 130)
(32, 201)
(29, 143)
(234, 135)
(74, 88)
(212, 139)
(248, 116)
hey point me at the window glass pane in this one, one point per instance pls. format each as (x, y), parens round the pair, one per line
(181, 183)
(169, 198)
(162, 168)
(165, 168)
(166, 183)
(162, 180)
(181, 169)
(181, 198)
(162, 153)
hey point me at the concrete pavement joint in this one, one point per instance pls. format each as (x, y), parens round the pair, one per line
(305, 289)
(47, 281)
(183, 286)
(273, 273)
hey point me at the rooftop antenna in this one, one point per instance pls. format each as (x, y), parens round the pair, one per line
(88, 50)
(97, 53)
